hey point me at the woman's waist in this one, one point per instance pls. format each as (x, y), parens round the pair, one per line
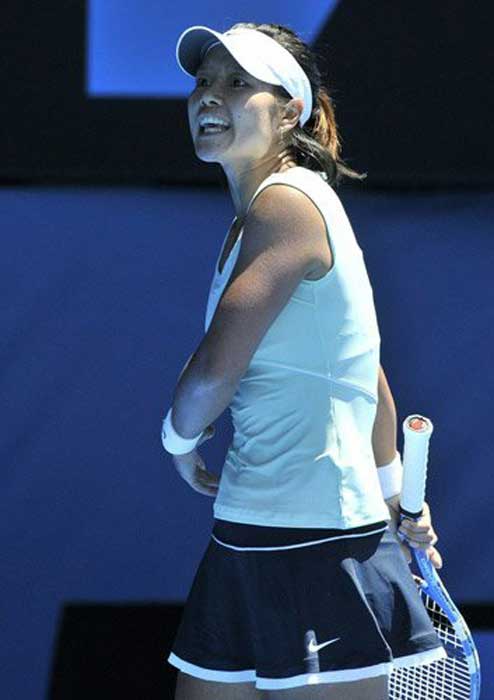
(259, 536)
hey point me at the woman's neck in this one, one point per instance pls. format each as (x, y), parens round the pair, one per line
(239, 219)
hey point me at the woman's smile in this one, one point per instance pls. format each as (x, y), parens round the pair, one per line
(212, 130)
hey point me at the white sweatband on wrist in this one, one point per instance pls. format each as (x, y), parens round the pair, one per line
(391, 477)
(172, 441)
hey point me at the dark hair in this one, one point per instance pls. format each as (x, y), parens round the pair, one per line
(316, 145)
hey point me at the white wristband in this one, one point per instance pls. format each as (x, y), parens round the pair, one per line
(172, 441)
(391, 476)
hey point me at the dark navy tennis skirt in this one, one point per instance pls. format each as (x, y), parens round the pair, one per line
(285, 607)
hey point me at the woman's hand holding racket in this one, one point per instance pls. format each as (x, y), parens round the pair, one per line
(455, 672)
(416, 534)
(192, 469)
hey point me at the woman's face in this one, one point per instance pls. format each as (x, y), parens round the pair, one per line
(225, 90)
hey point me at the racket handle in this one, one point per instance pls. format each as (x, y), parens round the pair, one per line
(417, 432)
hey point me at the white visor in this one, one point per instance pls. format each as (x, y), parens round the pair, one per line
(257, 53)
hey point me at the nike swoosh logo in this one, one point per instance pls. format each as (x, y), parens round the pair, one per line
(316, 647)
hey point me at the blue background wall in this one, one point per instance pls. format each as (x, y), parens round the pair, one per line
(131, 46)
(103, 299)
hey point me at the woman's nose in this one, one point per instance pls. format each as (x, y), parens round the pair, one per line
(210, 97)
(211, 93)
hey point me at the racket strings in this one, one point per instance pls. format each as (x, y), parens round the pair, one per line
(445, 679)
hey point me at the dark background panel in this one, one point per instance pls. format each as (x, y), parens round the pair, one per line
(411, 84)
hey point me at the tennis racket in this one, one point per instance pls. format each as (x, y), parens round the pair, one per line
(456, 677)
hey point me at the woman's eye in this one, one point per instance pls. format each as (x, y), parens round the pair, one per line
(199, 81)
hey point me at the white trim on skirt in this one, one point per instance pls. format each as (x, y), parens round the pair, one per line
(299, 544)
(351, 674)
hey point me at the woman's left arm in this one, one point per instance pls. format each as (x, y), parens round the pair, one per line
(420, 533)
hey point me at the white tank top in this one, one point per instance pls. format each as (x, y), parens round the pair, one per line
(303, 412)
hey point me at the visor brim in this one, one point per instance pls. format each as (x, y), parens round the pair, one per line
(192, 45)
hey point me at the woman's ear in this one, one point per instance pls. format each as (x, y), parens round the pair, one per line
(292, 112)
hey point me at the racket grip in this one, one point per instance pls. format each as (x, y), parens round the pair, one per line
(417, 431)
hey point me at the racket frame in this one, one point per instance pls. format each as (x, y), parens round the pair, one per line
(415, 466)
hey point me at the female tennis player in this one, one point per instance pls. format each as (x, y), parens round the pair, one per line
(304, 590)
